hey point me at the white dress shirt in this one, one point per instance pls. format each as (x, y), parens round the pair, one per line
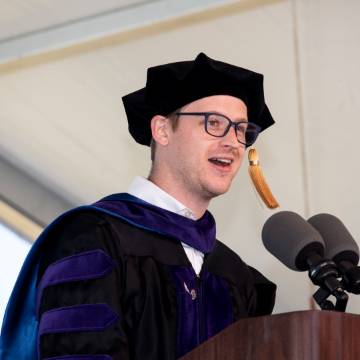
(149, 192)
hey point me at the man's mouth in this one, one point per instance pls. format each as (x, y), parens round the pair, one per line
(221, 162)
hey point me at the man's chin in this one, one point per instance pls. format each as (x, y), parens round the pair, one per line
(218, 190)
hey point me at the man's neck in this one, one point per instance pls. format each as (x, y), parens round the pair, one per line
(193, 202)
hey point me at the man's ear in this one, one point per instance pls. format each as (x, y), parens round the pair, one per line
(160, 129)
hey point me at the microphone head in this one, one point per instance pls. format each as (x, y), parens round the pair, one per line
(339, 244)
(291, 239)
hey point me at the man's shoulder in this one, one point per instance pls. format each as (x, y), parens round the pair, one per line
(88, 219)
(89, 226)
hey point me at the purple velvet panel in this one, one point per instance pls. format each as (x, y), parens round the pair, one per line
(188, 334)
(199, 234)
(84, 266)
(216, 304)
(85, 317)
(81, 357)
(204, 307)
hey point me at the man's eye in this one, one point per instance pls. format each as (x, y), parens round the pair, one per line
(214, 123)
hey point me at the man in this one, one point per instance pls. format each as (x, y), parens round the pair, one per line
(141, 275)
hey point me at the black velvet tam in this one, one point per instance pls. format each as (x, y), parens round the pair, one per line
(171, 86)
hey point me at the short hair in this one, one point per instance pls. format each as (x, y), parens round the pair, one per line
(174, 122)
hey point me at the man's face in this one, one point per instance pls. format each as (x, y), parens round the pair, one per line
(191, 152)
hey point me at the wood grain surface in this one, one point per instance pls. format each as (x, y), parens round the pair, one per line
(303, 335)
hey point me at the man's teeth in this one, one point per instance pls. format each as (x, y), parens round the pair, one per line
(223, 161)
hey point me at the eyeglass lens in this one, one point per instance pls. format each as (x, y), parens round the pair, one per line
(217, 125)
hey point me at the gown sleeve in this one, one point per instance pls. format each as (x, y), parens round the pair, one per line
(265, 292)
(79, 293)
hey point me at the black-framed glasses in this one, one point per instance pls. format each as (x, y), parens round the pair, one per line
(218, 125)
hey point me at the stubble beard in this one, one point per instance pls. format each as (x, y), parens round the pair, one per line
(193, 183)
(205, 190)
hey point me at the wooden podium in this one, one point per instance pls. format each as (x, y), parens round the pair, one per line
(302, 335)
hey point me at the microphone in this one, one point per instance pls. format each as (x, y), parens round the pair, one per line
(288, 237)
(299, 246)
(340, 247)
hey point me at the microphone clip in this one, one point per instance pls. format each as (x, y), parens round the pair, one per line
(321, 298)
(324, 273)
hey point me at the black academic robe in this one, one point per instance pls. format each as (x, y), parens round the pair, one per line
(129, 293)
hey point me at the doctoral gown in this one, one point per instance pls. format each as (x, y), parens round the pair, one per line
(112, 281)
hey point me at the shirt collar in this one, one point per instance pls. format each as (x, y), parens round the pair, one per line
(151, 193)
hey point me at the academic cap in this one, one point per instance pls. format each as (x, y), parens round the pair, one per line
(171, 86)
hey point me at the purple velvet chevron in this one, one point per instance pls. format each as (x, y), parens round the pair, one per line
(85, 317)
(81, 357)
(204, 307)
(84, 266)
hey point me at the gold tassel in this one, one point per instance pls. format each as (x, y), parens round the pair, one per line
(259, 181)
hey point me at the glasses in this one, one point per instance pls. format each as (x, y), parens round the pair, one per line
(219, 125)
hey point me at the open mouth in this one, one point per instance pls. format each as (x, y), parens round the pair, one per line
(221, 162)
